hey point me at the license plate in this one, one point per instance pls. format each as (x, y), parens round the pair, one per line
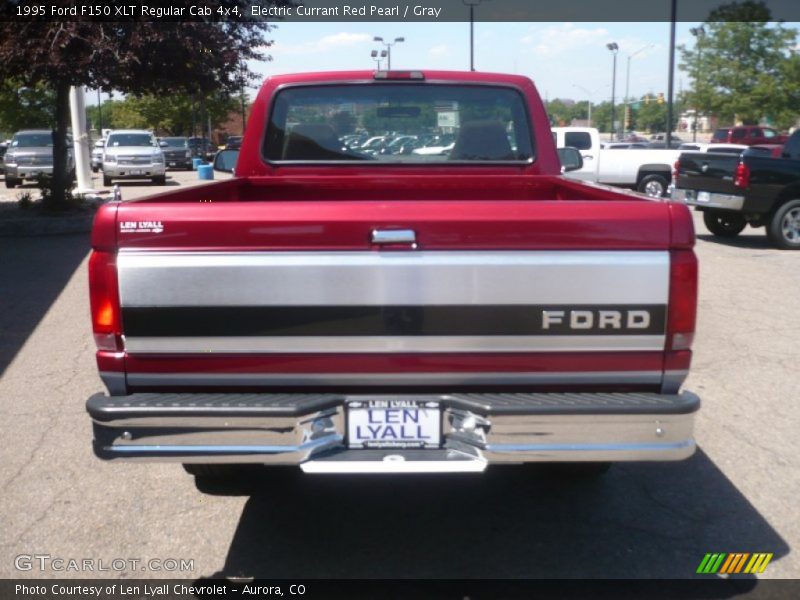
(136, 172)
(393, 424)
(703, 197)
(172, 164)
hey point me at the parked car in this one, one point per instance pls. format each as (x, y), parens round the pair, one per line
(234, 142)
(745, 188)
(3, 148)
(176, 151)
(202, 148)
(748, 135)
(31, 155)
(347, 313)
(133, 154)
(97, 155)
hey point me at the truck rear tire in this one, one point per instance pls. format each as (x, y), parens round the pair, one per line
(724, 223)
(783, 229)
(12, 183)
(653, 185)
(106, 181)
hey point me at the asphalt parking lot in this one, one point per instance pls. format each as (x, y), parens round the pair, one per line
(738, 493)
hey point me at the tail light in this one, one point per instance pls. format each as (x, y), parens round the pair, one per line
(675, 171)
(742, 177)
(104, 301)
(682, 312)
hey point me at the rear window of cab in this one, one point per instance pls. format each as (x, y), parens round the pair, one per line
(399, 123)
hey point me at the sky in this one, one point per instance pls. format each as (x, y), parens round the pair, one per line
(561, 58)
(565, 60)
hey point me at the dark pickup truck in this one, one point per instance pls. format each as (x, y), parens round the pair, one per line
(733, 191)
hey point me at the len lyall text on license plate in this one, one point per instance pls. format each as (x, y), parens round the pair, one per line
(393, 423)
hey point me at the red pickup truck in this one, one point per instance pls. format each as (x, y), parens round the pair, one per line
(431, 310)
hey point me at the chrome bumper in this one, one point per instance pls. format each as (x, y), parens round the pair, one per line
(27, 171)
(310, 430)
(117, 171)
(707, 199)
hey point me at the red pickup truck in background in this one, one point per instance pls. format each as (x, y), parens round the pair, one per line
(353, 311)
(748, 135)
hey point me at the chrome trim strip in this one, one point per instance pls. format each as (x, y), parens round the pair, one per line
(233, 449)
(451, 378)
(610, 447)
(392, 344)
(403, 278)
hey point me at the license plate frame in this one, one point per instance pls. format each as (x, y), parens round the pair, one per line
(394, 423)
(704, 197)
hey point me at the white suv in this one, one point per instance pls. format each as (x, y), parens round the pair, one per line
(133, 154)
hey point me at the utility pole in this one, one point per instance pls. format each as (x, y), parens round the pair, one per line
(628, 83)
(472, 4)
(614, 48)
(99, 114)
(671, 81)
(699, 33)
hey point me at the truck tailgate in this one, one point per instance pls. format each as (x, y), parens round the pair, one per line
(570, 293)
(707, 171)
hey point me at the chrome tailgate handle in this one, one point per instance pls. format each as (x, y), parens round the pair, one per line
(394, 236)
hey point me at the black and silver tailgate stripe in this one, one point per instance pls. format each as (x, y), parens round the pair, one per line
(392, 302)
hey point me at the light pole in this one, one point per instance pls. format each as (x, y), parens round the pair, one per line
(589, 96)
(614, 48)
(388, 45)
(243, 75)
(699, 33)
(628, 80)
(99, 114)
(472, 4)
(378, 56)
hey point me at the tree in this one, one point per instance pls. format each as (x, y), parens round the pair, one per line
(175, 114)
(23, 107)
(135, 56)
(652, 116)
(744, 67)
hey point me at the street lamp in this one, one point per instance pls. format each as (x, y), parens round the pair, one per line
(472, 4)
(388, 45)
(628, 79)
(99, 114)
(243, 76)
(377, 57)
(614, 48)
(699, 33)
(589, 96)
